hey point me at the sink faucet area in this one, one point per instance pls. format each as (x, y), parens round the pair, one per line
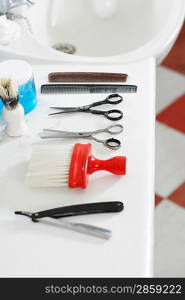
(60, 60)
(113, 31)
(9, 30)
(7, 5)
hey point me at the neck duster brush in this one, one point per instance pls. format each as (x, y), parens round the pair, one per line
(13, 111)
(54, 166)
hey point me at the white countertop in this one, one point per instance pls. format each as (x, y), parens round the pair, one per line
(34, 249)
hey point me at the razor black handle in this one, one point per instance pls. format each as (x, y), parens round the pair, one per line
(80, 209)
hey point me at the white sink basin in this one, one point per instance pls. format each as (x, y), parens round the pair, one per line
(118, 30)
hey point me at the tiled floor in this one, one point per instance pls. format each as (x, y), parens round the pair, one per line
(170, 164)
(170, 240)
(176, 58)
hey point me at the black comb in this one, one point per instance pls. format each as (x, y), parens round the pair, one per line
(87, 88)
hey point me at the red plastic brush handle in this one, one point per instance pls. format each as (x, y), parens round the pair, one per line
(83, 164)
(78, 176)
(115, 165)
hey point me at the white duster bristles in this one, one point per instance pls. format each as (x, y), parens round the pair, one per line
(49, 166)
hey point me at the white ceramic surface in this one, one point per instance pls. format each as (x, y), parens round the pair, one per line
(132, 30)
(29, 249)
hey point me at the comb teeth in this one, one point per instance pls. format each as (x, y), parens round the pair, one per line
(49, 166)
(87, 88)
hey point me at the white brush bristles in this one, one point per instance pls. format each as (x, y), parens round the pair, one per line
(49, 166)
(9, 92)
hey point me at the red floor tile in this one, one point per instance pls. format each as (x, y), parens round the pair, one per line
(158, 199)
(176, 58)
(174, 114)
(178, 196)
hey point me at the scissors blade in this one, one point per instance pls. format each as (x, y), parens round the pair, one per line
(59, 136)
(64, 110)
(61, 133)
(55, 130)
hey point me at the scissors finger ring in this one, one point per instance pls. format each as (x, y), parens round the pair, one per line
(112, 143)
(114, 114)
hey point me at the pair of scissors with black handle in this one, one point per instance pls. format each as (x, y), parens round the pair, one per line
(113, 114)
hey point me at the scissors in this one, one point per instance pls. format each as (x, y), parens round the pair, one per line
(113, 114)
(110, 143)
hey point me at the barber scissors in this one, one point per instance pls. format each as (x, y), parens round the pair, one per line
(110, 143)
(113, 114)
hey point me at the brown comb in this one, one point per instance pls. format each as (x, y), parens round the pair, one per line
(86, 77)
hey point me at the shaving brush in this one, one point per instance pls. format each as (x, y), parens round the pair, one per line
(13, 111)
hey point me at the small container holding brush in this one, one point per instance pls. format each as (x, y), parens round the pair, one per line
(21, 72)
